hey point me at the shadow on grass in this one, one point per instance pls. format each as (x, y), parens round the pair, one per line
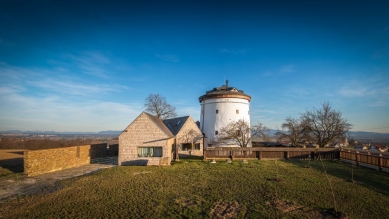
(190, 157)
(14, 165)
(366, 177)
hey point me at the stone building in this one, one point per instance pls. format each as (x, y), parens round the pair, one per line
(151, 141)
(221, 106)
(189, 138)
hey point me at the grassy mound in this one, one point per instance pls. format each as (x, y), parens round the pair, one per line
(198, 189)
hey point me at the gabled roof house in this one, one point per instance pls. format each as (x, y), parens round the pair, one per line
(187, 133)
(151, 141)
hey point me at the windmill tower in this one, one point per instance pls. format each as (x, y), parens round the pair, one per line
(221, 106)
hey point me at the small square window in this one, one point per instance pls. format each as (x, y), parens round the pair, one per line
(216, 132)
(237, 111)
(217, 111)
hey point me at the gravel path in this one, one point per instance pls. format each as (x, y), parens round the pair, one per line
(17, 184)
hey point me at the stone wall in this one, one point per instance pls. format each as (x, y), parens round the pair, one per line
(38, 162)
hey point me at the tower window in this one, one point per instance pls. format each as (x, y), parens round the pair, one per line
(248, 112)
(216, 132)
(237, 111)
(217, 111)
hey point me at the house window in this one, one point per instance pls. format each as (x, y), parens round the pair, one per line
(238, 132)
(149, 151)
(217, 111)
(197, 146)
(216, 132)
(237, 111)
(186, 146)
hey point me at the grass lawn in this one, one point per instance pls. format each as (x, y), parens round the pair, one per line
(198, 189)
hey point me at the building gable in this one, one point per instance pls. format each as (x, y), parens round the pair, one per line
(145, 133)
(145, 120)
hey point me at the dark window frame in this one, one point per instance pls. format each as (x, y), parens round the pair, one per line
(150, 153)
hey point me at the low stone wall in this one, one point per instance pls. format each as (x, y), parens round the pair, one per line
(38, 162)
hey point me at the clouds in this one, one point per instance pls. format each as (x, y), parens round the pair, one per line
(17, 79)
(57, 99)
(234, 52)
(373, 91)
(168, 57)
(99, 71)
(55, 113)
(69, 87)
(354, 91)
(288, 68)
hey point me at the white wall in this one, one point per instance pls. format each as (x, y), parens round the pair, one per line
(211, 122)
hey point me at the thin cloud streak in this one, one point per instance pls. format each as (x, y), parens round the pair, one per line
(74, 88)
(234, 52)
(168, 57)
(288, 69)
(48, 112)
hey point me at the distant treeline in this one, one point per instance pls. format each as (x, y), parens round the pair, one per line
(36, 144)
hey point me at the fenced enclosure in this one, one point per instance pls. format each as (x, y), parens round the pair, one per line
(365, 158)
(262, 153)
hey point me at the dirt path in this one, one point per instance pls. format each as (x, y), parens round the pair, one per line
(18, 184)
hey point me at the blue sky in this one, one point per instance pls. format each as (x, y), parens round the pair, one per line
(89, 65)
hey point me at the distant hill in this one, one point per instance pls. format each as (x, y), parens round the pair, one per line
(358, 135)
(369, 135)
(110, 132)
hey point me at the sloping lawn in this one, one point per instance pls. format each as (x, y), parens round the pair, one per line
(198, 189)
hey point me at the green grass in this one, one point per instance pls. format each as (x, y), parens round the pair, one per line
(194, 189)
(5, 172)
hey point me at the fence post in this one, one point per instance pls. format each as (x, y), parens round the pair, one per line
(286, 155)
(232, 154)
(380, 162)
(356, 158)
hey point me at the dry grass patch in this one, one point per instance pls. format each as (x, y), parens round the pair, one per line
(225, 210)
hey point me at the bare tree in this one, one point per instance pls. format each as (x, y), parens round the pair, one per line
(157, 105)
(241, 133)
(294, 130)
(325, 125)
(191, 137)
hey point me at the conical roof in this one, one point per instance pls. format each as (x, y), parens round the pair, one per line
(224, 92)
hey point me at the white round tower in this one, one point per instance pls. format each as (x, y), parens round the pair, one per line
(219, 107)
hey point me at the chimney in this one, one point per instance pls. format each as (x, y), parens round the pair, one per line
(226, 85)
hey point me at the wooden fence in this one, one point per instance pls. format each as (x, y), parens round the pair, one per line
(263, 153)
(364, 157)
